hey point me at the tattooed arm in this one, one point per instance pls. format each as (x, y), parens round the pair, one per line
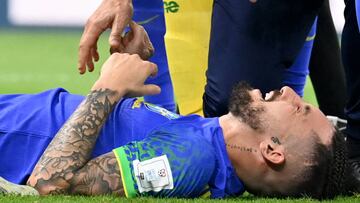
(72, 146)
(99, 176)
(70, 150)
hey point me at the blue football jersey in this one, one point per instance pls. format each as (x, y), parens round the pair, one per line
(29, 122)
(182, 158)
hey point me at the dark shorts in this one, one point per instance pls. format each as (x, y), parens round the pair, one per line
(257, 43)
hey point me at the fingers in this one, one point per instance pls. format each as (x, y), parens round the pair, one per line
(133, 25)
(115, 14)
(149, 51)
(115, 35)
(127, 38)
(137, 42)
(95, 54)
(153, 69)
(87, 44)
(150, 89)
(137, 29)
(122, 18)
(90, 66)
(138, 33)
(127, 73)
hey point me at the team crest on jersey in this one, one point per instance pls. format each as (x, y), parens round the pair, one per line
(168, 114)
(137, 104)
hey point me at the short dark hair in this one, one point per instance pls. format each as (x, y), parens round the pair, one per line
(325, 178)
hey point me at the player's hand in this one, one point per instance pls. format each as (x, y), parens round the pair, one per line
(137, 41)
(126, 74)
(114, 14)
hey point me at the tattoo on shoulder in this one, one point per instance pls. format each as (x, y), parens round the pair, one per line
(241, 148)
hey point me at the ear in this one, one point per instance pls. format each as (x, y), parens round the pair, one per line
(272, 153)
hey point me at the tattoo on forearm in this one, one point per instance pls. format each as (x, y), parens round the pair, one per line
(72, 146)
(241, 148)
(99, 176)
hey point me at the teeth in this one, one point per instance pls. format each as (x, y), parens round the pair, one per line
(268, 95)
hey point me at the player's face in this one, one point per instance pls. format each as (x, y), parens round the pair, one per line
(287, 114)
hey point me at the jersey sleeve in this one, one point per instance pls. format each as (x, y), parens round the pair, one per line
(166, 164)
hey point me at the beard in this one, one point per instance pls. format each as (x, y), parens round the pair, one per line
(240, 105)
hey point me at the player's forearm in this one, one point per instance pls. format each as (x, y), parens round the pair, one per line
(100, 176)
(72, 146)
(70, 150)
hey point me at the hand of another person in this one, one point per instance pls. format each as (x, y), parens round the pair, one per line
(137, 41)
(114, 14)
(126, 74)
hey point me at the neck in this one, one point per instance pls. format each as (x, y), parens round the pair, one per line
(235, 130)
(242, 145)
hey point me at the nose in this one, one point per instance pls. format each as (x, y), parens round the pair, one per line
(288, 94)
(256, 94)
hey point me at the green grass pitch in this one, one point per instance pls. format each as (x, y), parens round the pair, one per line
(33, 61)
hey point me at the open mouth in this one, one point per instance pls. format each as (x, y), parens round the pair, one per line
(271, 96)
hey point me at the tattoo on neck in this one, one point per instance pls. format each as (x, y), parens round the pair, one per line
(241, 148)
(276, 140)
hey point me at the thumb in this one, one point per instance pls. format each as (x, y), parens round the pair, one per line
(135, 27)
(135, 31)
(127, 38)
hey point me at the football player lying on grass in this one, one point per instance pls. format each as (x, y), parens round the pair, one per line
(112, 144)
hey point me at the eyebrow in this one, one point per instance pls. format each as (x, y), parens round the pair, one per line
(307, 110)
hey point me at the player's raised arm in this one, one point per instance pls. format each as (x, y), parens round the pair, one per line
(121, 75)
(114, 14)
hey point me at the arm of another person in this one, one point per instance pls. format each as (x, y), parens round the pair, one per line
(70, 150)
(114, 14)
